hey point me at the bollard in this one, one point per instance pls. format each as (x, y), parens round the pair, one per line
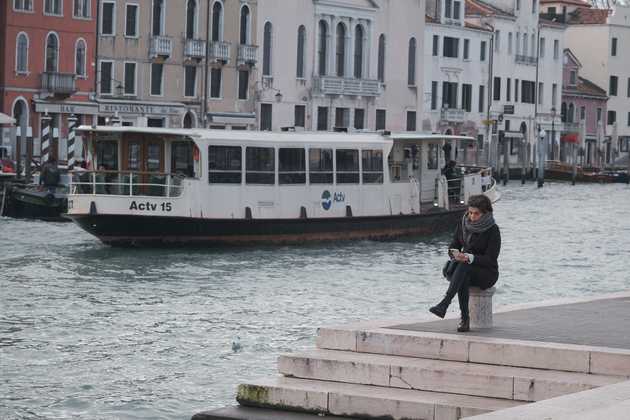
(480, 306)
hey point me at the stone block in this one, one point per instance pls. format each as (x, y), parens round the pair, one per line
(271, 396)
(336, 339)
(445, 412)
(359, 406)
(426, 345)
(480, 305)
(611, 362)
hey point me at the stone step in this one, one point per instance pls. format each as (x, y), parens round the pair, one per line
(514, 383)
(363, 401)
(477, 349)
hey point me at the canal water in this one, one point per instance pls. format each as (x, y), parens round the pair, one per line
(88, 331)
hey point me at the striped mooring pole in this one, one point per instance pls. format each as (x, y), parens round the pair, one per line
(45, 155)
(72, 125)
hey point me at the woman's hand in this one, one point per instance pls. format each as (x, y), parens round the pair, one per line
(461, 257)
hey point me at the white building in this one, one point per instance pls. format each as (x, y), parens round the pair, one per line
(455, 76)
(326, 64)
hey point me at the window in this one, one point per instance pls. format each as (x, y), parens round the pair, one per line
(525, 44)
(563, 112)
(508, 89)
(106, 77)
(320, 165)
(291, 166)
(434, 88)
(450, 47)
(52, 7)
(156, 78)
(556, 49)
(107, 17)
(497, 40)
(432, 156)
(449, 95)
(224, 164)
(158, 18)
(599, 114)
(359, 118)
(466, 49)
(267, 49)
(448, 8)
(612, 87)
(572, 77)
(467, 97)
(411, 63)
(613, 47)
(190, 81)
(456, 7)
(299, 116)
(411, 120)
(554, 95)
(322, 51)
(628, 88)
(215, 82)
(266, 114)
(260, 167)
(79, 59)
(244, 35)
(243, 84)
(533, 44)
(52, 53)
(341, 49)
(21, 54)
(131, 20)
(322, 118)
(482, 94)
(381, 117)
(182, 157)
(540, 93)
(509, 43)
(534, 6)
(23, 5)
(358, 52)
(81, 8)
(347, 161)
(516, 90)
(130, 78)
(628, 119)
(517, 44)
(191, 15)
(542, 47)
(342, 116)
(582, 113)
(217, 22)
(436, 42)
(528, 92)
(301, 42)
(107, 154)
(518, 4)
(496, 89)
(482, 51)
(381, 59)
(612, 117)
(372, 166)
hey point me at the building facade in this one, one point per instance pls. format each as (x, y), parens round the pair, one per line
(48, 50)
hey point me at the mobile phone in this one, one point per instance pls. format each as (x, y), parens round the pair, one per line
(453, 252)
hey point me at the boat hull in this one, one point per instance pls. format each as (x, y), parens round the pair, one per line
(128, 230)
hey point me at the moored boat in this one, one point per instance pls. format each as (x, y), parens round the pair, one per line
(166, 186)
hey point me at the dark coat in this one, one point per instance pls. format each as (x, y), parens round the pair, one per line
(485, 246)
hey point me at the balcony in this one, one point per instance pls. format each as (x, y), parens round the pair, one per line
(525, 59)
(219, 51)
(161, 46)
(195, 48)
(58, 83)
(331, 85)
(453, 115)
(247, 54)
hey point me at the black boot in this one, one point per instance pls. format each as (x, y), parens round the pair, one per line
(464, 325)
(440, 309)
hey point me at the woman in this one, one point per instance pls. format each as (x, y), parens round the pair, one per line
(479, 240)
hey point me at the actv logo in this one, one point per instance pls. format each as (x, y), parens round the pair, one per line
(328, 199)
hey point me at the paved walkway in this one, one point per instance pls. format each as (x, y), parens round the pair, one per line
(603, 323)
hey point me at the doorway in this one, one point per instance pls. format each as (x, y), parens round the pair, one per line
(143, 158)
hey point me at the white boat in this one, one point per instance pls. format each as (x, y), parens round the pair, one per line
(156, 186)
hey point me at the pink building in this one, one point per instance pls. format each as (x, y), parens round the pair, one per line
(582, 113)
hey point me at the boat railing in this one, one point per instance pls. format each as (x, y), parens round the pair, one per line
(126, 183)
(454, 192)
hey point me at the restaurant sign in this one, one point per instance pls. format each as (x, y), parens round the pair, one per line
(138, 108)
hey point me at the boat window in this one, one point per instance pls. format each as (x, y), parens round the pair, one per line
(320, 166)
(153, 157)
(182, 158)
(260, 165)
(224, 164)
(292, 166)
(133, 159)
(432, 159)
(107, 155)
(347, 166)
(372, 166)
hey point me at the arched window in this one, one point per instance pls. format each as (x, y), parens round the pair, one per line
(79, 58)
(189, 120)
(21, 53)
(20, 113)
(301, 41)
(341, 49)
(411, 69)
(52, 53)
(217, 20)
(191, 15)
(322, 52)
(158, 17)
(381, 58)
(358, 52)
(563, 112)
(571, 113)
(244, 25)
(267, 49)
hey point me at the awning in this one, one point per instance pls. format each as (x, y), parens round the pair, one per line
(232, 118)
(569, 138)
(5, 119)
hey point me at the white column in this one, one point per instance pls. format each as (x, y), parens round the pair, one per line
(332, 44)
(349, 48)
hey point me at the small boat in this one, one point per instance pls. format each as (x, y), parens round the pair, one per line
(157, 186)
(28, 201)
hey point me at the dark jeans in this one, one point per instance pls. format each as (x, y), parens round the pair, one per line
(465, 276)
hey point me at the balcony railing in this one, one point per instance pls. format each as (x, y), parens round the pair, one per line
(161, 46)
(247, 54)
(220, 51)
(331, 85)
(58, 83)
(453, 115)
(195, 48)
(525, 59)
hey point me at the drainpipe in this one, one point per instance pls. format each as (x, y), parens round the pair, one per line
(541, 142)
(491, 155)
(98, 17)
(204, 105)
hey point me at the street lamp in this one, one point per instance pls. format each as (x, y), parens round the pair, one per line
(541, 157)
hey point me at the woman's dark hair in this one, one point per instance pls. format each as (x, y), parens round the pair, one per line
(481, 202)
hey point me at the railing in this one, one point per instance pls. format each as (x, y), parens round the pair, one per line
(571, 126)
(160, 46)
(58, 82)
(525, 59)
(456, 190)
(453, 114)
(331, 85)
(247, 54)
(220, 51)
(195, 48)
(126, 183)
